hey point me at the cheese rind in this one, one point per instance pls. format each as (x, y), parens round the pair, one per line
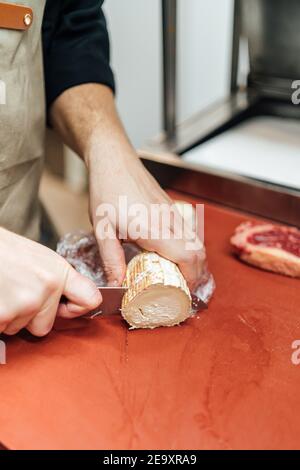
(157, 293)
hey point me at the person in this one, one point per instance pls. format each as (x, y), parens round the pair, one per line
(70, 38)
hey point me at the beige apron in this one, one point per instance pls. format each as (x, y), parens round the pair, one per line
(22, 124)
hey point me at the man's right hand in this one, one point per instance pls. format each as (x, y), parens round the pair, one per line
(33, 279)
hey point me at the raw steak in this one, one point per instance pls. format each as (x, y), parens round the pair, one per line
(267, 246)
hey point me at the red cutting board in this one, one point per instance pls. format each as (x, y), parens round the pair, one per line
(222, 380)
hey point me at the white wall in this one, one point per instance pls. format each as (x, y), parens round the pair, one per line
(205, 37)
(135, 32)
(204, 32)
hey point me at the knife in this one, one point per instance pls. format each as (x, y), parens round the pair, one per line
(111, 301)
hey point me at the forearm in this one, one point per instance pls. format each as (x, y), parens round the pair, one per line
(86, 118)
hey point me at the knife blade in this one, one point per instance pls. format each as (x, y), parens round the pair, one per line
(111, 301)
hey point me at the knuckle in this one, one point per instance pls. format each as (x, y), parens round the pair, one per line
(50, 282)
(112, 270)
(5, 322)
(30, 303)
(6, 315)
(111, 265)
(11, 331)
(2, 329)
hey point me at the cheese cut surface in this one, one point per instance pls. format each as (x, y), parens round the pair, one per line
(157, 294)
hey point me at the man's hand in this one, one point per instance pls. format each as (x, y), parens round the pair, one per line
(119, 177)
(86, 118)
(32, 281)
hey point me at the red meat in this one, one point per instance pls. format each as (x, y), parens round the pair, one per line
(272, 247)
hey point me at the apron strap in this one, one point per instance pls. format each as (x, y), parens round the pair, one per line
(14, 16)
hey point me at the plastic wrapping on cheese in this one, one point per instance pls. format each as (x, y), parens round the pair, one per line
(81, 251)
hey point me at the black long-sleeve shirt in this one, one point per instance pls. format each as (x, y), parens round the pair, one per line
(75, 45)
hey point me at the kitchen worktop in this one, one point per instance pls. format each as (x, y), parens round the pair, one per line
(222, 380)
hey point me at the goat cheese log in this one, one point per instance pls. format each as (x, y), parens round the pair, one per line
(272, 247)
(157, 293)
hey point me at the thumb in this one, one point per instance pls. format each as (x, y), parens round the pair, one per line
(81, 292)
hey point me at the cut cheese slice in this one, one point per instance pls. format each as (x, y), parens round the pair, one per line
(157, 294)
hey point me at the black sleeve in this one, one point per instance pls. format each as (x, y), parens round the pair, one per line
(75, 46)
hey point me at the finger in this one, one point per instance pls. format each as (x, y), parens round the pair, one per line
(180, 243)
(42, 323)
(112, 256)
(5, 318)
(81, 291)
(193, 262)
(3, 326)
(192, 269)
(70, 310)
(17, 325)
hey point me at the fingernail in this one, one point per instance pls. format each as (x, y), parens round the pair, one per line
(91, 294)
(73, 308)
